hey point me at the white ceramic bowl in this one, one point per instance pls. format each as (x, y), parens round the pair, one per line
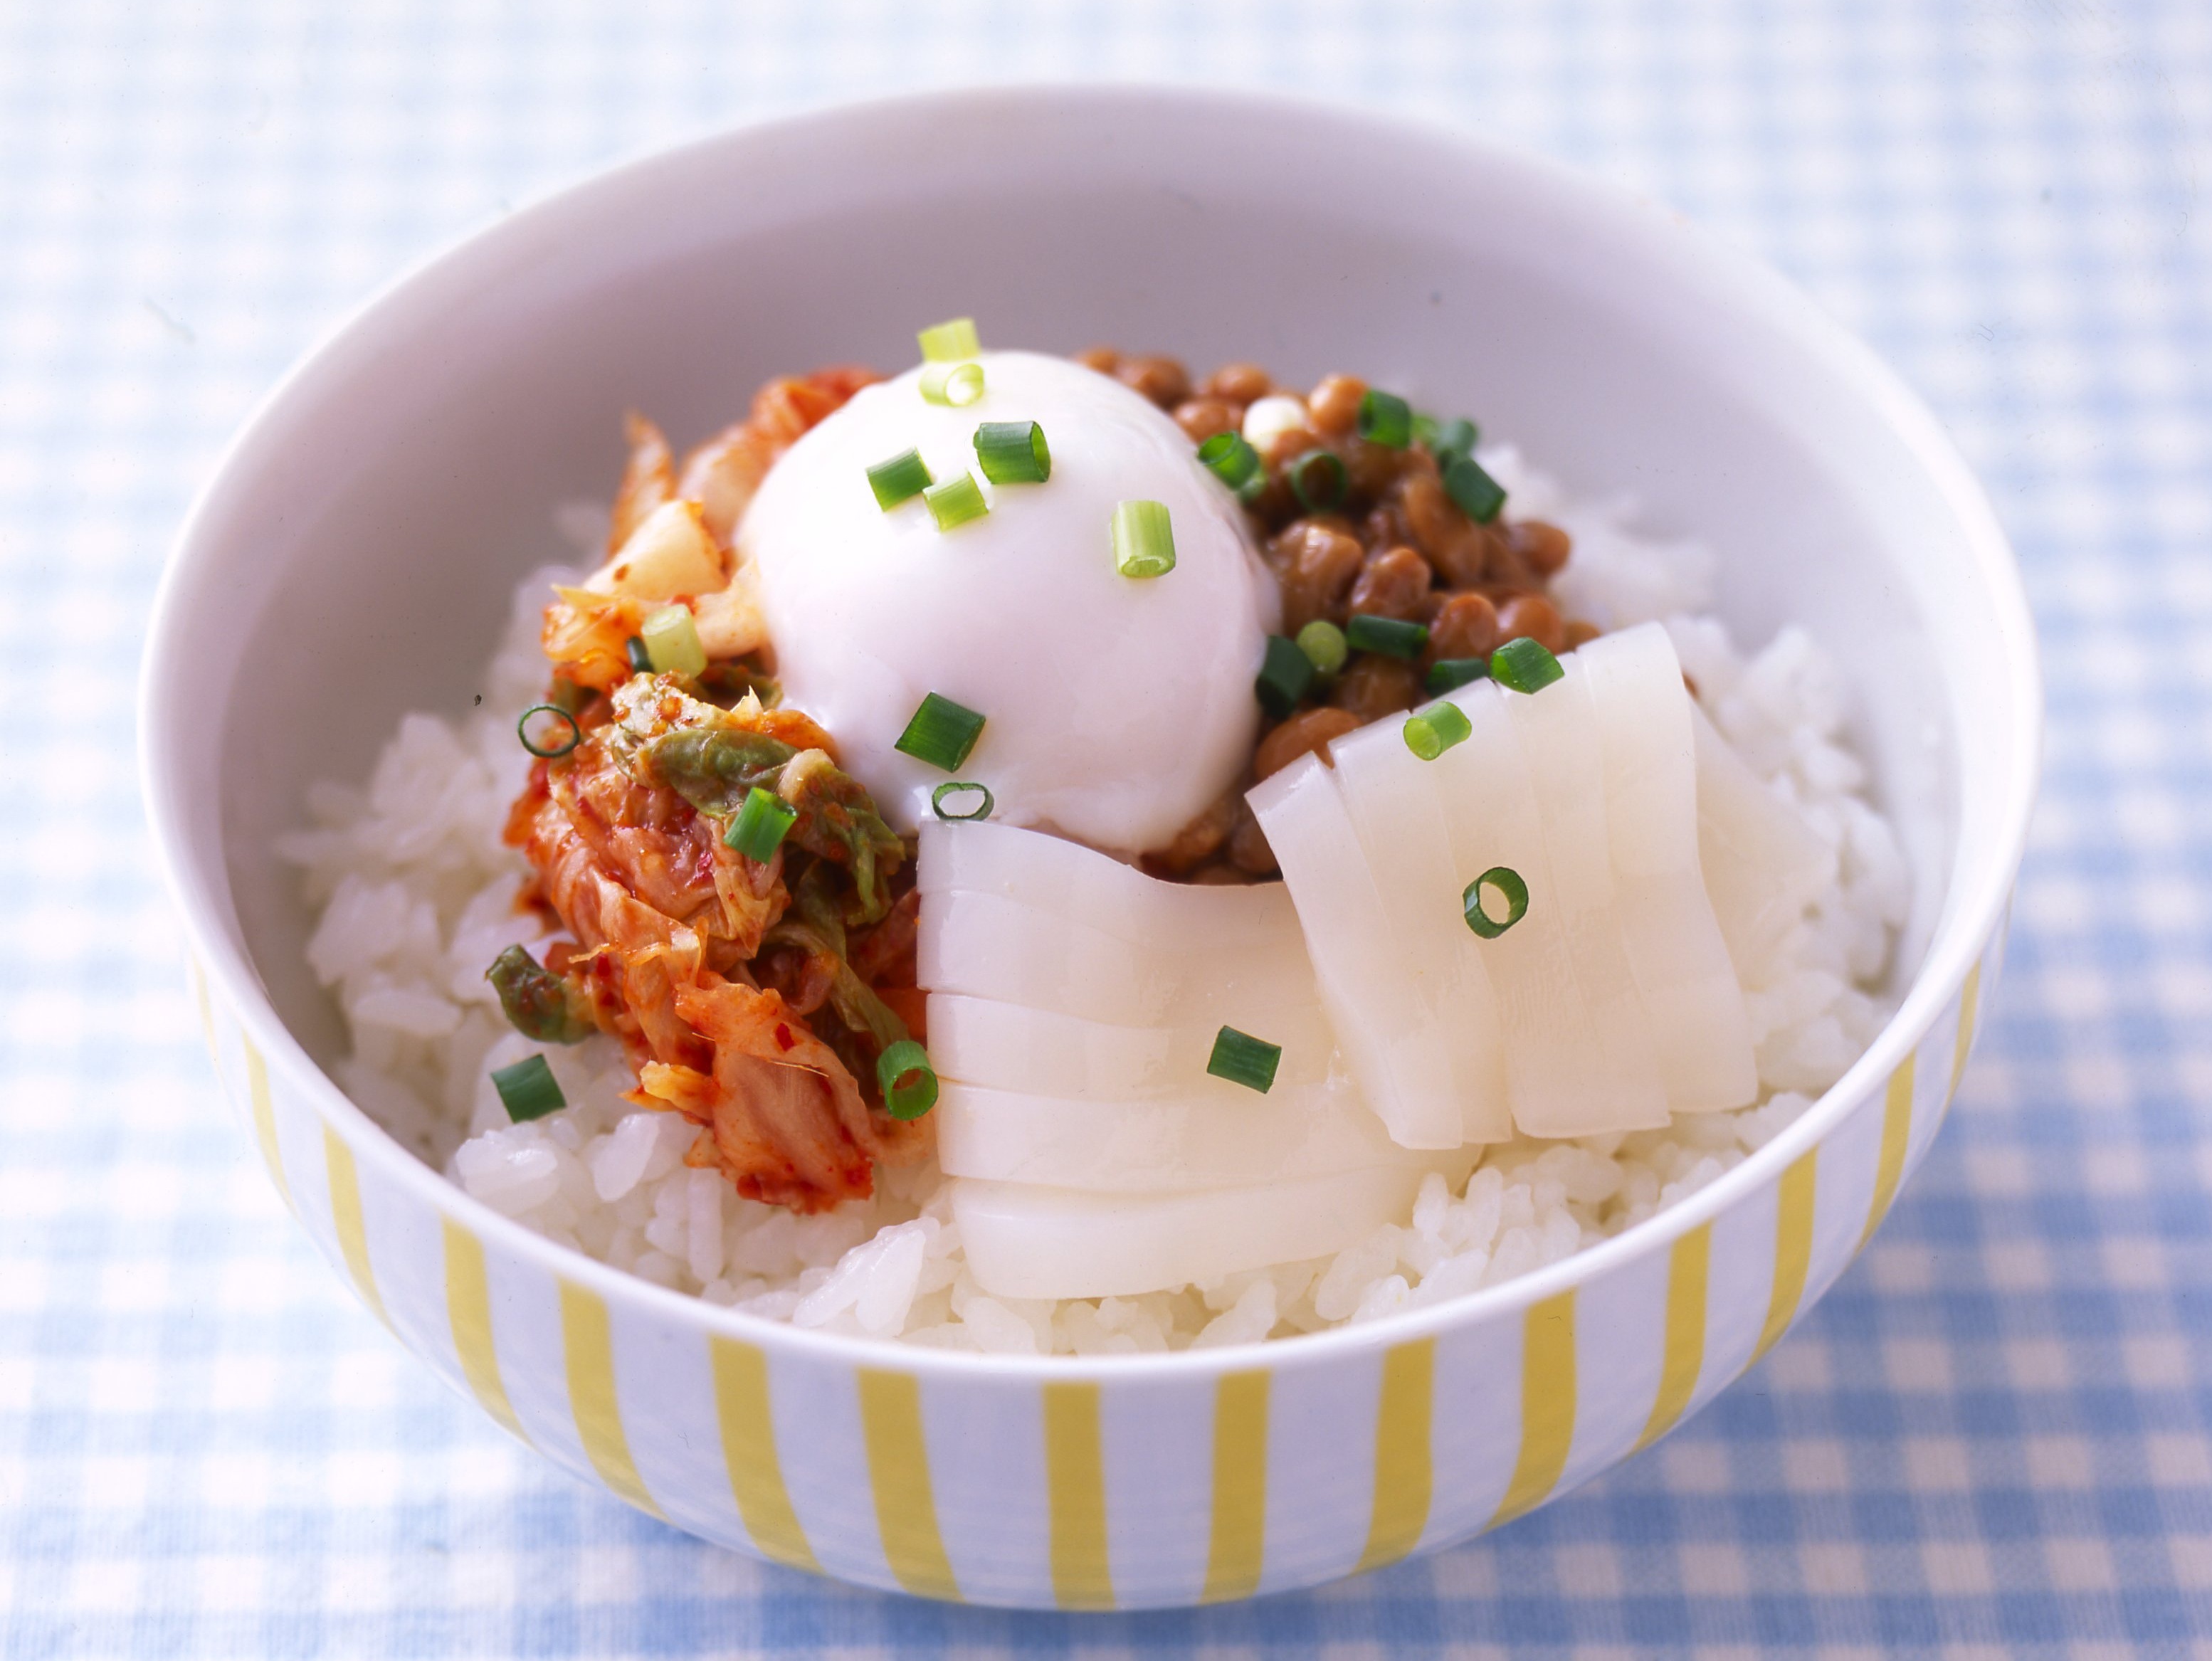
(354, 555)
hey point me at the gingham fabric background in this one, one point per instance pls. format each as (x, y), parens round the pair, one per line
(1992, 1436)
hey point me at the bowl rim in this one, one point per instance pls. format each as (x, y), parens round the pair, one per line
(1979, 891)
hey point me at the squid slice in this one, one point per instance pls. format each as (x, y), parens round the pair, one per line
(1004, 1046)
(1675, 951)
(1762, 863)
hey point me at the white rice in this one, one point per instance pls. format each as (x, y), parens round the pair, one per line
(416, 895)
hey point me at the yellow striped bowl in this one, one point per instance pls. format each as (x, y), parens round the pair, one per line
(338, 569)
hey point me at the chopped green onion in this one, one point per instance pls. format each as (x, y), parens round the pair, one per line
(1323, 642)
(941, 733)
(1449, 674)
(1144, 539)
(640, 660)
(1286, 674)
(948, 343)
(528, 1090)
(1014, 453)
(982, 810)
(1480, 496)
(1393, 638)
(1507, 881)
(1243, 1059)
(1523, 666)
(956, 502)
(957, 384)
(1386, 419)
(1431, 732)
(553, 752)
(1455, 437)
(901, 479)
(906, 1078)
(672, 642)
(1317, 480)
(760, 826)
(1229, 459)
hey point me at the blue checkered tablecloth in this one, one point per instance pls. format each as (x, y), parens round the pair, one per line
(1991, 1437)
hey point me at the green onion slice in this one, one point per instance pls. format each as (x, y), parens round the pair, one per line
(981, 810)
(1144, 539)
(1393, 637)
(941, 733)
(1014, 453)
(1286, 674)
(672, 642)
(1431, 732)
(640, 660)
(760, 826)
(1455, 437)
(1507, 881)
(1317, 481)
(948, 343)
(957, 384)
(1449, 674)
(1243, 1059)
(1229, 459)
(1386, 419)
(1480, 496)
(956, 502)
(1323, 642)
(552, 752)
(528, 1090)
(1523, 666)
(906, 1078)
(901, 479)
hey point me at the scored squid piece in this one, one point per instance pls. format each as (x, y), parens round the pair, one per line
(1391, 796)
(1668, 929)
(1762, 863)
(1037, 1052)
(1028, 1241)
(1398, 1050)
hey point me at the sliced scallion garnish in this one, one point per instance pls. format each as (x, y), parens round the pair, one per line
(672, 642)
(1431, 732)
(1393, 637)
(1317, 481)
(1523, 666)
(950, 343)
(1144, 539)
(1455, 437)
(1449, 674)
(1514, 892)
(1243, 1059)
(528, 1089)
(1286, 674)
(957, 384)
(955, 501)
(1014, 453)
(760, 826)
(901, 479)
(1385, 419)
(906, 1078)
(1323, 642)
(1229, 459)
(1480, 496)
(941, 732)
(982, 810)
(640, 660)
(553, 752)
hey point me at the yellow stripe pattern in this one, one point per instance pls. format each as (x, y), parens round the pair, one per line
(1075, 1486)
(1404, 1475)
(468, 1311)
(1547, 1404)
(1970, 1009)
(898, 1472)
(264, 1117)
(1896, 1137)
(1688, 1269)
(346, 1219)
(741, 1403)
(1237, 1550)
(1792, 1248)
(588, 1349)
